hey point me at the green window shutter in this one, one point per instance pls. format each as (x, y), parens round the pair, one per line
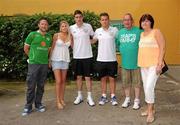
(117, 23)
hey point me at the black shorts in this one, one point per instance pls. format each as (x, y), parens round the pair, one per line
(106, 69)
(83, 67)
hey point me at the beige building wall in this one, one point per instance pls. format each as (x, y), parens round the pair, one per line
(165, 12)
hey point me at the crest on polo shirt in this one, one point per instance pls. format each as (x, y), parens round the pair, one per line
(74, 32)
(100, 34)
(85, 30)
(111, 33)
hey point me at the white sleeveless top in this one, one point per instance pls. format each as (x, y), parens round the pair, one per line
(61, 51)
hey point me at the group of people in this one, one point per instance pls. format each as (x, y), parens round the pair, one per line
(142, 50)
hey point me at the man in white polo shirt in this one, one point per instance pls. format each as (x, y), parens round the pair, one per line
(106, 60)
(82, 56)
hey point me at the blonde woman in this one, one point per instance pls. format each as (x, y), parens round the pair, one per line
(60, 59)
(150, 59)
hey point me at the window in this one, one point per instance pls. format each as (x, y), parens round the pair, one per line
(117, 23)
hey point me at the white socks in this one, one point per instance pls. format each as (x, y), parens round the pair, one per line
(128, 98)
(104, 95)
(89, 94)
(112, 95)
(137, 100)
(79, 93)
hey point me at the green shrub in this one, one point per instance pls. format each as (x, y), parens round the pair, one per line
(14, 30)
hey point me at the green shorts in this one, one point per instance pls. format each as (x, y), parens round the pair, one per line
(131, 77)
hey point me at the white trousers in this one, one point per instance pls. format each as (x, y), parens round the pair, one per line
(149, 78)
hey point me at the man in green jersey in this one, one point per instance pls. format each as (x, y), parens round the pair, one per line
(127, 40)
(37, 46)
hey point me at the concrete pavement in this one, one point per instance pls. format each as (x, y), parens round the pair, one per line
(167, 106)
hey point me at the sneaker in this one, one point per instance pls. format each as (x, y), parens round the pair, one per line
(26, 111)
(90, 101)
(41, 108)
(78, 100)
(136, 105)
(126, 103)
(103, 100)
(114, 101)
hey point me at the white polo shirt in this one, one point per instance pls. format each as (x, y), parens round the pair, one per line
(106, 44)
(82, 45)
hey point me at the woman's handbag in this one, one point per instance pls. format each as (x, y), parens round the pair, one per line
(165, 68)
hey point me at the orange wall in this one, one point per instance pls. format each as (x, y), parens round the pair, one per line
(165, 12)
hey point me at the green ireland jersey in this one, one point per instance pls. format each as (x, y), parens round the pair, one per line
(39, 47)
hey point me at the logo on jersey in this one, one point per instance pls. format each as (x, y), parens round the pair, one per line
(43, 43)
(48, 39)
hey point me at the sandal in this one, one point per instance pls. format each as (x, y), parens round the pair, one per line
(59, 105)
(63, 103)
(150, 119)
(145, 113)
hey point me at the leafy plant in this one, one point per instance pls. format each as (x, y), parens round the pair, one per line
(14, 30)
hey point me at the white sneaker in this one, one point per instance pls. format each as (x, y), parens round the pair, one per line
(126, 103)
(114, 101)
(78, 100)
(90, 101)
(136, 105)
(41, 108)
(103, 100)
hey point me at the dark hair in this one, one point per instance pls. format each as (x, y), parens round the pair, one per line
(43, 18)
(78, 12)
(148, 17)
(104, 14)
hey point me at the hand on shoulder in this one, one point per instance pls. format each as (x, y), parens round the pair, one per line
(55, 36)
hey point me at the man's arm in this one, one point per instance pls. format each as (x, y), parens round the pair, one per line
(26, 49)
(28, 42)
(94, 40)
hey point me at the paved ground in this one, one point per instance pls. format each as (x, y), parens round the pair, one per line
(167, 106)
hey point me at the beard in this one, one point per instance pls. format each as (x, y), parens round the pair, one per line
(43, 29)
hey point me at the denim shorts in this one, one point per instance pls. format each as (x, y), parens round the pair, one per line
(59, 65)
